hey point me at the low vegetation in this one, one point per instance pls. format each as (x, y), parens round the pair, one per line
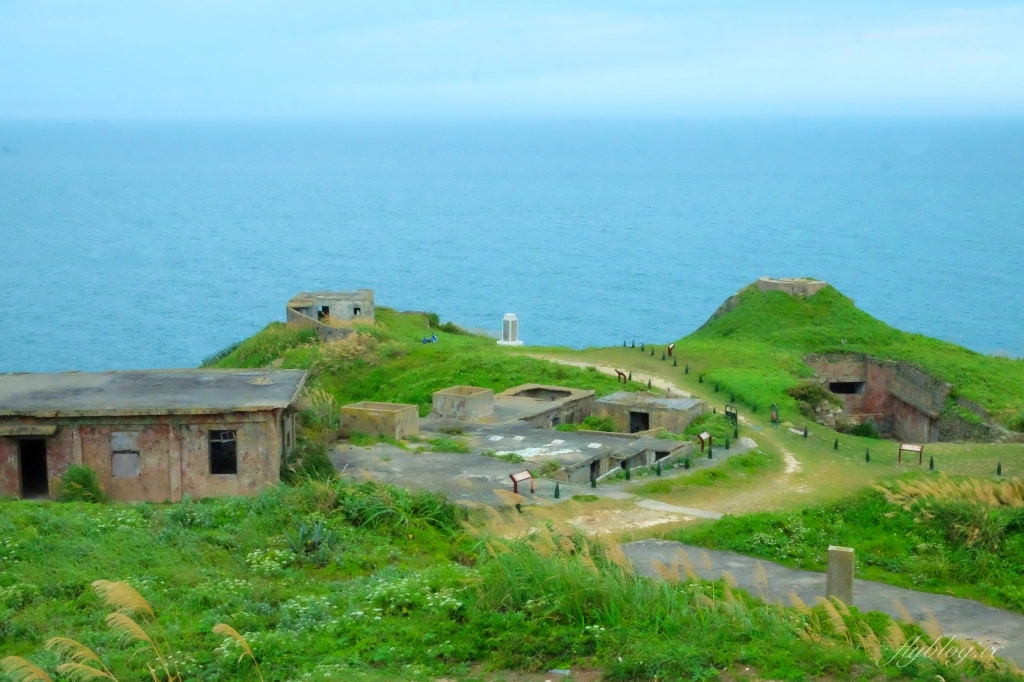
(591, 423)
(734, 468)
(388, 361)
(334, 579)
(963, 536)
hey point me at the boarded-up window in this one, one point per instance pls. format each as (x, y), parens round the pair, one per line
(126, 461)
(223, 452)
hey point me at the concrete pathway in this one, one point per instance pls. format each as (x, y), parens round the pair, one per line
(957, 617)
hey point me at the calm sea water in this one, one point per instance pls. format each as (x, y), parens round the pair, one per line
(131, 245)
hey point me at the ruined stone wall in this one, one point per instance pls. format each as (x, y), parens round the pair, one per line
(898, 398)
(326, 332)
(672, 420)
(571, 412)
(173, 455)
(463, 402)
(380, 419)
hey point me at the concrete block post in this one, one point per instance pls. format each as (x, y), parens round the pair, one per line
(840, 574)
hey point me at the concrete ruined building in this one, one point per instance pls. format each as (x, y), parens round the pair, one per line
(543, 407)
(149, 435)
(393, 420)
(329, 312)
(463, 402)
(510, 331)
(794, 286)
(641, 411)
(900, 399)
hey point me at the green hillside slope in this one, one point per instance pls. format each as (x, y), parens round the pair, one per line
(759, 345)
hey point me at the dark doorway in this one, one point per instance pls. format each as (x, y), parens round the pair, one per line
(323, 311)
(659, 454)
(595, 469)
(639, 421)
(32, 461)
(356, 311)
(846, 387)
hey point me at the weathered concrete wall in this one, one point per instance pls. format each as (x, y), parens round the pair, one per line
(675, 421)
(380, 419)
(898, 397)
(463, 402)
(174, 455)
(326, 332)
(571, 412)
(342, 305)
(792, 286)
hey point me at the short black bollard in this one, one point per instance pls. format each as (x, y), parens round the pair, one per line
(558, 493)
(627, 471)
(716, 387)
(686, 370)
(658, 469)
(675, 362)
(648, 384)
(663, 358)
(630, 378)
(727, 442)
(867, 455)
(519, 507)
(686, 462)
(732, 397)
(931, 464)
(641, 345)
(623, 343)
(652, 351)
(736, 431)
(700, 378)
(835, 446)
(999, 469)
(632, 344)
(714, 410)
(709, 451)
(805, 432)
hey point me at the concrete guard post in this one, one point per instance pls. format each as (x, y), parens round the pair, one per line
(839, 582)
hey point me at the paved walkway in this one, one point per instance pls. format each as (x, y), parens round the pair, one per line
(957, 617)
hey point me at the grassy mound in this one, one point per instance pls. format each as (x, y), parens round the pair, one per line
(754, 351)
(387, 361)
(962, 536)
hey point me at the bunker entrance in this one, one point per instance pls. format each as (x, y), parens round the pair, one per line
(639, 421)
(846, 387)
(323, 312)
(32, 462)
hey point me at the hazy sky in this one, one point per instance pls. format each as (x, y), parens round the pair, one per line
(256, 58)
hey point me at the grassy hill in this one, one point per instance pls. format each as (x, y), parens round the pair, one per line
(755, 350)
(387, 361)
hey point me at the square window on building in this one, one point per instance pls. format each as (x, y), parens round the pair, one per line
(126, 460)
(223, 453)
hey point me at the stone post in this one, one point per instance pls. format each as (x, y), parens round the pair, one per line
(840, 574)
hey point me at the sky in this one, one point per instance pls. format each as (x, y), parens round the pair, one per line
(156, 59)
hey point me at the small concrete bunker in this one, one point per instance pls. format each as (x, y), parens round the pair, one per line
(642, 411)
(380, 419)
(149, 435)
(543, 406)
(463, 402)
(322, 310)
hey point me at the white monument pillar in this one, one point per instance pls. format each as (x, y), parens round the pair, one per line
(510, 331)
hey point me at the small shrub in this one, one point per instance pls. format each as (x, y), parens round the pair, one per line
(505, 457)
(809, 393)
(453, 430)
(865, 430)
(448, 445)
(595, 423)
(308, 459)
(585, 498)
(79, 484)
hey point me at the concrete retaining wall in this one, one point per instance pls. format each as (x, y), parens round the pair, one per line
(380, 419)
(463, 403)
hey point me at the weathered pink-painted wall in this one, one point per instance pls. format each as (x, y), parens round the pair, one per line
(174, 454)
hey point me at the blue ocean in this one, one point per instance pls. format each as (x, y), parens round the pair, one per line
(131, 245)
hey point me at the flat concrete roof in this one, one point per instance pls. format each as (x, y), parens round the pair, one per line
(308, 298)
(148, 392)
(649, 400)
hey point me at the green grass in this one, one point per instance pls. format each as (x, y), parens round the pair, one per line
(734, 468)
(591, 423)
(389, 363)
(755, 351)
(396, 591)
(894, 545)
